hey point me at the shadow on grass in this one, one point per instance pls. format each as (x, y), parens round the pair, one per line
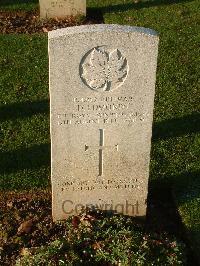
(17, 2)
(25, 158)
(141, 4)
(22, 110)
(162, 212)
(178, 182)
(161, 195)
(186, 192)
(177, 127)
(187, 185)
(95, 15)
(163, 192)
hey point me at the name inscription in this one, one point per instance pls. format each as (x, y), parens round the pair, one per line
(105, 110)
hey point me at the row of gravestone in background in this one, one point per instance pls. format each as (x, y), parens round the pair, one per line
(62, 8)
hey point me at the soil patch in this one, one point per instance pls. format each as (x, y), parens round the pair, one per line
(26, 222)
(29, 22)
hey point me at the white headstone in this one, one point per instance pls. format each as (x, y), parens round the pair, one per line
(62, 8)
(102, 84)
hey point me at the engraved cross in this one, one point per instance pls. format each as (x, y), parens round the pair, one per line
(101, 147)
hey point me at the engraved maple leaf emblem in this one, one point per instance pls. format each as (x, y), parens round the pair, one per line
(104, 71)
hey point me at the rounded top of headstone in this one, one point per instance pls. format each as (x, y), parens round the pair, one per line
(101, 28)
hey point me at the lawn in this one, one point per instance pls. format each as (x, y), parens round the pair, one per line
(24, 108)
(18, 5)
(24, 104)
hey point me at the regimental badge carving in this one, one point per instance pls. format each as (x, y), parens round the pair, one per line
(103, 69)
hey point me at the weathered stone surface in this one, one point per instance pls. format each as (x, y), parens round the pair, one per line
(102, 84)
(62, 8)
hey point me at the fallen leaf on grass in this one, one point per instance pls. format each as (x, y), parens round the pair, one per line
(25, 227)
(44, 29)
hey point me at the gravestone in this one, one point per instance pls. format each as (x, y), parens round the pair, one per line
(62, 8)
(102, 84)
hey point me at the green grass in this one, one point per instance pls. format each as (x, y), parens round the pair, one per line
(176, 132)
(18, 4)
(24, 108)
(187, 198)
(106, 241)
